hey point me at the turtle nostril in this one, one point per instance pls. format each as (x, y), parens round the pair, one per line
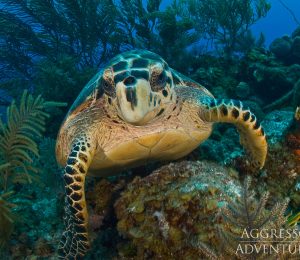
(129, 81)
(131, 96)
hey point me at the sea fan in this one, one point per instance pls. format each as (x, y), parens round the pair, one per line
(294, 220)
(7, 218)
(18, 146)
(248, 214)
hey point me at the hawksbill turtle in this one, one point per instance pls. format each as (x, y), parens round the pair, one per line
(135, 110)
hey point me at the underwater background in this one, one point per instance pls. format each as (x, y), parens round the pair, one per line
(194, 208)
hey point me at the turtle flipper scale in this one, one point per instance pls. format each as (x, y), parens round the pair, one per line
(252, 135)
(74, 242)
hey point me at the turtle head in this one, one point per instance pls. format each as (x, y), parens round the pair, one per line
(140, 86)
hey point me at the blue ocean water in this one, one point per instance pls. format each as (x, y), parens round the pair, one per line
(279, 21)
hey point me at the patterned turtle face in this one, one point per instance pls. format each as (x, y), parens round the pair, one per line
(139, 85)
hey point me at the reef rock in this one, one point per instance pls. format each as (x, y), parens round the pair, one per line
(276, 124)
(296, 48)
(255, 107)
(274, 82)
(287, 48)
(163, 213)
(296, 32)
(281, 47)
(296, 94)
(282, 165)
(242, 90)
(223, 146)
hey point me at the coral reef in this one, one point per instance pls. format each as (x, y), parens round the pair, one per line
(223, 146)
(296, 94)
(242, 90)
(7, 218)
(240, 218)
(190, 210)
(42, 248)
(287, 48)
(99, 199)
(297, 114)
(281, 171)
(77, 45)
(38, 226)
(295, 52)
(281, 47)
(164, 212)
(17, 139)
(293, 141)
(282, 166)
(279, 80)
(101, 196)
(273, 75)
(175, 212)
(18, 150)
(292, 96)
(294, 220)
(276, 125)
(49, 171)
(296, 32)
(228, 33)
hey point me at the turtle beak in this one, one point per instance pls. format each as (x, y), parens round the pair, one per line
(133, 100)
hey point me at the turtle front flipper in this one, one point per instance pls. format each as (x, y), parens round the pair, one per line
(252, 135)
(74, 242)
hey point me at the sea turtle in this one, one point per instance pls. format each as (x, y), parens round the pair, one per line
(136, 110)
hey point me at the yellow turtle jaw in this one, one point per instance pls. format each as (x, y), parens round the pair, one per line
(137, 104)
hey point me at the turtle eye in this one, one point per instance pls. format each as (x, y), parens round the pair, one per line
(108, 88)
(158, 81)
(107, 83)
(161, 79)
